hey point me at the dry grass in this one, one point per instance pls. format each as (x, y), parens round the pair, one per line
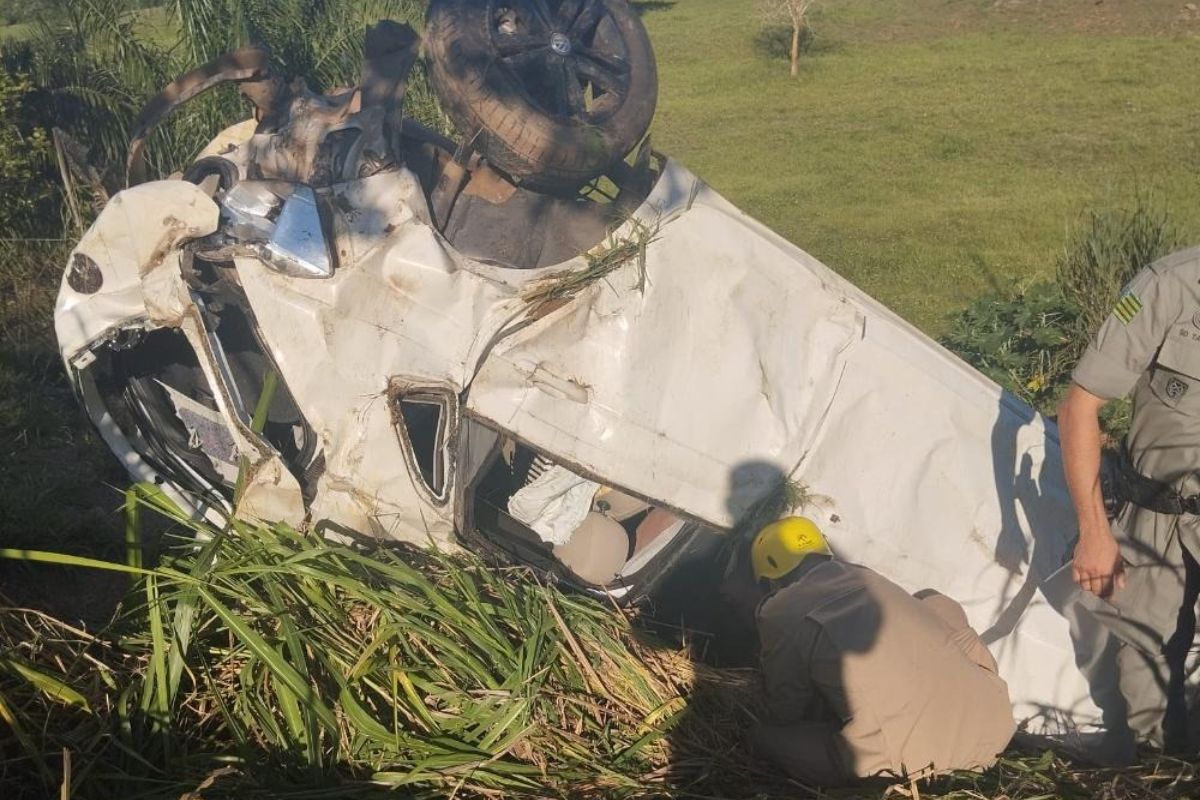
(618, 250)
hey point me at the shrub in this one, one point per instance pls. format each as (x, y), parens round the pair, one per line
(792, 16)
(1025, 342)
(1028, 342)
(25, 190)
(1104, 253)
(775, 40)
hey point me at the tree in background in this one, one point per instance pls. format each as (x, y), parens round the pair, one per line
(793, 13)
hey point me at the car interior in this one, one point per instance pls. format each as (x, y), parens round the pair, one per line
(154, 387)
(619, 533)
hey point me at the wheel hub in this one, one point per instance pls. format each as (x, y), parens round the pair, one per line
(560, 44)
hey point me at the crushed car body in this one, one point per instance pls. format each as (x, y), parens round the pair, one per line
(340, 342)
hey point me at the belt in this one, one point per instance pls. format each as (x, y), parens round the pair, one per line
(1153, 495)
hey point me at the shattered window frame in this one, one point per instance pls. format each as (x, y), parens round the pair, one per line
(242, 408)
(528, 549)
(441, 470)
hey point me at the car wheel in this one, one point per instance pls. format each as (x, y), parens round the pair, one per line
(553, 92)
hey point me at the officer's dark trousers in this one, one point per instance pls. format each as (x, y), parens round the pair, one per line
(1155, 621)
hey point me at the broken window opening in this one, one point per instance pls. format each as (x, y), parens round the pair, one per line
(539, 511)
(424, 419)
(244, 361)
(159, 398)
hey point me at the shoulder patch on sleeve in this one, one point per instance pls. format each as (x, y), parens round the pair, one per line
(1127, 308)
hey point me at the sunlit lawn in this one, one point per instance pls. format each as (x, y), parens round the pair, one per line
(931, 149)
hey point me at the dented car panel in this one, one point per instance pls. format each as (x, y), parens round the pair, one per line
(702, 377)
(695, 380)
(401, 313)
(333, 326)
(137, 230)
(744, 359)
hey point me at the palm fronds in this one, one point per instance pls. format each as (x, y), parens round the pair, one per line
(99, 62)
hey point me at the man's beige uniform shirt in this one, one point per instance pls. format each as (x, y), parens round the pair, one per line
(910, 686)
(1150, 346)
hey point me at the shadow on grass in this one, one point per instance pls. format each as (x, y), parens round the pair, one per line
(57, 479)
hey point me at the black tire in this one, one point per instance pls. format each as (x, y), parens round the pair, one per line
(552, 92)
(225, 170)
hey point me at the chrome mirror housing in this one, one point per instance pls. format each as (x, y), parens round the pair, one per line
(285, 224)
(298, 246)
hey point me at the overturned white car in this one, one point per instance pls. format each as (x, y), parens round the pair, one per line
(341, 320)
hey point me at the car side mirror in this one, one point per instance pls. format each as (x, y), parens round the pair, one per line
(297, 246)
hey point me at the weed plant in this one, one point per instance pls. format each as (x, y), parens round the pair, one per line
(1106, 250)
(1026, 342)
(1029, 342)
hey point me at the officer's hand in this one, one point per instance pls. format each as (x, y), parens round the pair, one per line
(1097, 566)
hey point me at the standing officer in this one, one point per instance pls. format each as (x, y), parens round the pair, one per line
(1144, 562)
(863, 678)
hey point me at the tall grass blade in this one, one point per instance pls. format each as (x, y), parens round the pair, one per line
(278, 666)
(47, 684)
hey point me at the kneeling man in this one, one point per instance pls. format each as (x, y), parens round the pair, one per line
(863, 678)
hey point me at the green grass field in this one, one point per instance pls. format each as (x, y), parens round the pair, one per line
(12, 32)
(933, 149)
(930, 149)
(157, 25)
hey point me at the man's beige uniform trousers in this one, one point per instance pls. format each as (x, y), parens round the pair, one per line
(864, 678)
(1150, 346)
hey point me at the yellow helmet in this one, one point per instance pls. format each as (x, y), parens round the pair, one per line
(781, 547)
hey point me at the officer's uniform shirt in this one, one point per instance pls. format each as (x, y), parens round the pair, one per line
(863, 678)
(1150, 345)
